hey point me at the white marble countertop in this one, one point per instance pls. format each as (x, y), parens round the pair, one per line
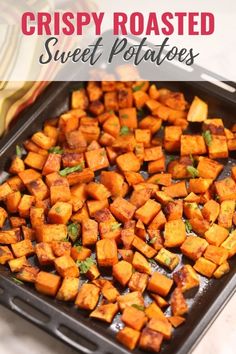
(19, 336)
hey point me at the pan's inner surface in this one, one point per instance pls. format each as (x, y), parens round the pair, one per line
(198, 300)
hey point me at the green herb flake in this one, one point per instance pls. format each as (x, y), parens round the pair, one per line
(85, 265)
(193, 171)
(19, 151)
(124, 130)
(17, 281)
(125, 116)
(171, 158)
(153, 240)
(111, 112)
(115, 226)
(167, 260)
(140, 113)
(157, 180)
(56, 150)
(138, 307)
(79, 248)
(188, 226)
(192, 159)
(73, 231)
(207, 137)
(138, 87)
(69, 170)
(150, 260)
(58, 210)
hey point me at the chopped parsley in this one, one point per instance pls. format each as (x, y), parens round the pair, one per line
(58, 210)
(153, 240)
(17, 281)
(124, 130)
(138, 307)
(85, 265)
(207, 137)
(19, 151)
(171, 158)
(56, 150)
(115, 226)
(193, 171)
(138, 87)
(188, 226)
(73, 231)
(69, 170)
(150, 260)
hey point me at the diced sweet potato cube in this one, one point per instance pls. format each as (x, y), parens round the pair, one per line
(122, 271)
(152, 123)
(217, 255)
(160, 284)
(17, 221)
(205, 267)
(226, 189)
(35, 160)
(28, 274)
(143, 136)
(105, 312)
(208, 168)
(211, 211)
(5, 189)
(38, 189)
(167, 259)
(28, 233)
(225, 218)
(42, 140)
(128, 162)
(129, 299)
(114, 182)
(218, 148)
(178, 304)
(140, 197)
(49, 233)
(222, 270)
(18, 263)
(141, 264)
(193, 247)
(200, 226)
(176, 321)
(162, 326)
(143, 247)
(148, 211)
(52, 164)
(106, 250)
(36, 216)
(138, 282)
(216, 235)
(66, 266)
(23, 248)
(69, 289)
(153, 153)
(87, 297)
(158, 222)
(174, 210)
(97, 191)
(192, 144)
(174, 233)
(198, 110)
(12, 201)
(60, 213)
(150, 340)
(10, 236)
(44, 253)
(128, 337)
(122, 209)
(89, 232)
(140, 98)
(109, 292)
(28, 176)
(112, 126)
(176, 190)
(230, 244)
(186, 278)
(3, 216)
(160, 301)
(80, 253)
(97, 159)
(5, 254)
(154, 311)
(17, 165)
(134, 318)
(47, 283)
(157, 165)
(25, 204)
